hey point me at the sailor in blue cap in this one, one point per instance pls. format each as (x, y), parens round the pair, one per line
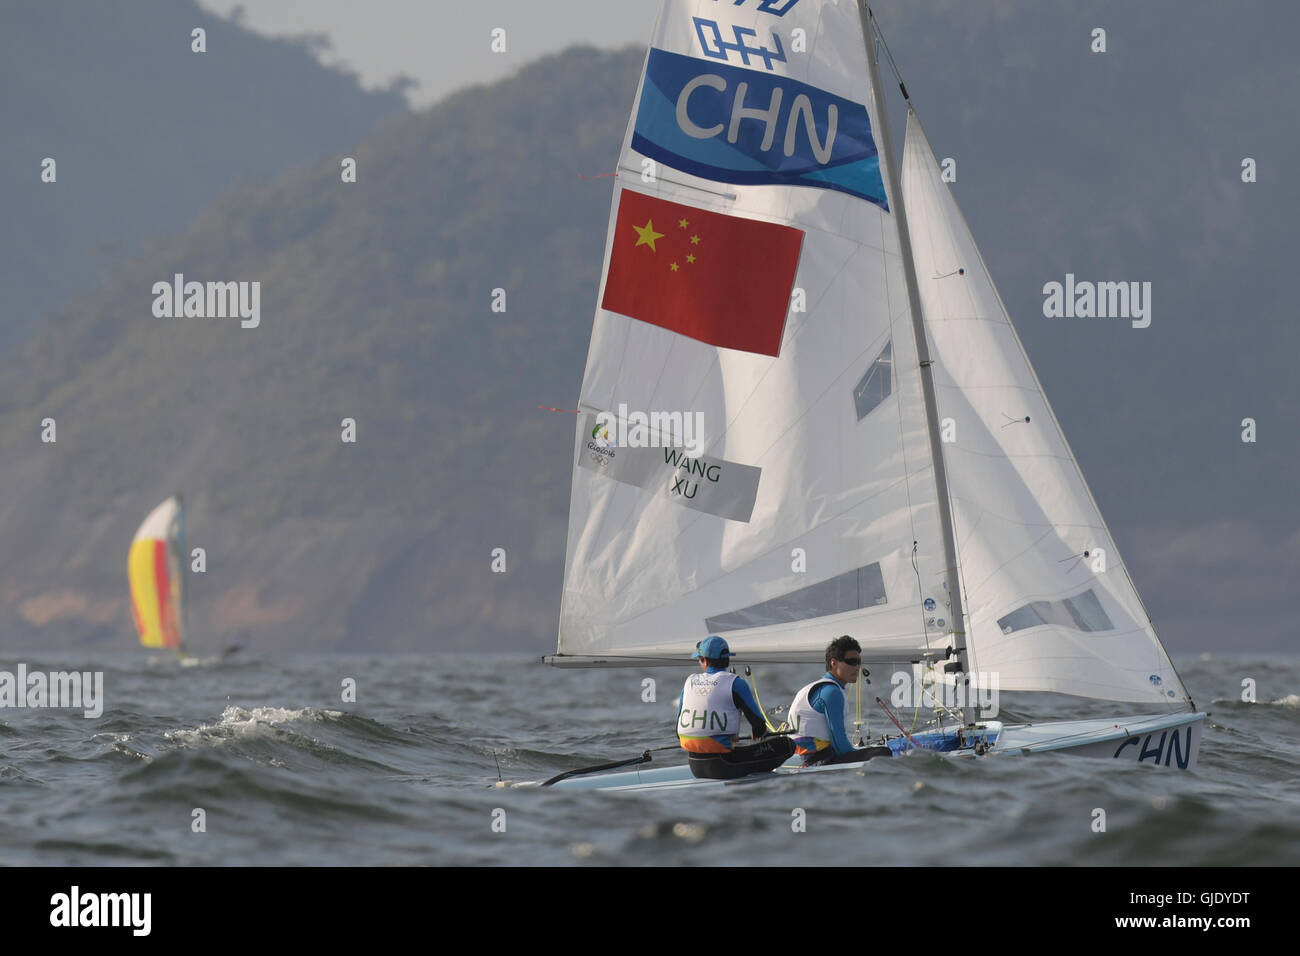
(714, 705)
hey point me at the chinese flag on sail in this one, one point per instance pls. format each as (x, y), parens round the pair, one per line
(719, 279)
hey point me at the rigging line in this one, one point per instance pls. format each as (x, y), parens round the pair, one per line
(969, 387)
(940, 708)
(1031, 524)
(972, 646)
(916, 711)
(920, 590)
(1019, 456)
(987, 319)
(902, 87)
(898, 725)
(857, 720)
(679, 183)
(753, 685)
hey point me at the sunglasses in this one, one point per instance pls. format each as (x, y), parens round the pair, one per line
(851, 661)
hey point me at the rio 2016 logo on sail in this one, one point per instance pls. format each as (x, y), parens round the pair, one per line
(736, 125)
(601, 445)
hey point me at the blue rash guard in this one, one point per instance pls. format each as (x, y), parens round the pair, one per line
(829, 700)
(743, 696)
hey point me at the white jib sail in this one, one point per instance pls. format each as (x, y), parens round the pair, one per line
(1049, 602)
(805, 530)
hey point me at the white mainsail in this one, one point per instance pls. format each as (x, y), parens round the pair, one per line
(1049, 602)
(762, 110)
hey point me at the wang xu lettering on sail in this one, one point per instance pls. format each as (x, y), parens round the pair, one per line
(723, 280)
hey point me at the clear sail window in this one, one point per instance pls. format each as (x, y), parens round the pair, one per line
(876, 383)
(859, 588)
(1083, 612)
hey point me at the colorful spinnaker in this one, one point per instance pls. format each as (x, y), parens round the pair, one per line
(155, 570)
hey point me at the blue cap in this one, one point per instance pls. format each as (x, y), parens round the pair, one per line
(714, 648)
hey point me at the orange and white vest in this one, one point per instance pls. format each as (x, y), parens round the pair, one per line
(809, 728)
(708, 711)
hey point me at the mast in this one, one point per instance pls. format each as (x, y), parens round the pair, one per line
(923, 354)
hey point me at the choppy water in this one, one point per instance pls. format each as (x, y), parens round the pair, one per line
(287, 773)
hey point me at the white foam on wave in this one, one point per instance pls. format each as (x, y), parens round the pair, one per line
(241, 723)
(199, 661)
(114, 736)
(1290, 700)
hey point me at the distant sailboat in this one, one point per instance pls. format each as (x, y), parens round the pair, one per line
(156, 574)
(826, 498)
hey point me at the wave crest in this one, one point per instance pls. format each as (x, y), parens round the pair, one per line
(239, 722)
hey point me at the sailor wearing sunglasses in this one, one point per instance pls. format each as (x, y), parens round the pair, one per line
(816, 716)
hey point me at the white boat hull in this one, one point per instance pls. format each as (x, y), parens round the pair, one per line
(1166, 740)
(1163, 740)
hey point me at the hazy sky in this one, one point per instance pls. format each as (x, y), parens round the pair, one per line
(444, 44)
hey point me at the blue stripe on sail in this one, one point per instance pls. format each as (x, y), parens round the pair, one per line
(695, 138)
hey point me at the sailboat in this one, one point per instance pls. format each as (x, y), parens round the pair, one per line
(874, 453)
(156, 574)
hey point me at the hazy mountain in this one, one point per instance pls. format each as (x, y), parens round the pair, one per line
(144, 132)
(376, 305)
